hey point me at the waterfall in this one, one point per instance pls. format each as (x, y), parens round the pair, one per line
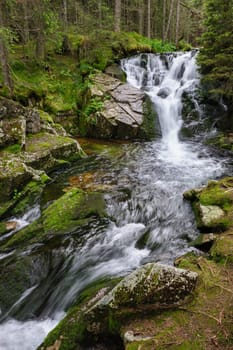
(165, 78)
(148, 220)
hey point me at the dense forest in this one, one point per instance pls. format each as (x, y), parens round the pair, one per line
(116, 187)
(36, 31)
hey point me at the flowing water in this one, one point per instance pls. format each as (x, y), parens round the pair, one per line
(150, 221)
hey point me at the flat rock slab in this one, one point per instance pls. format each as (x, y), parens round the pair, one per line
(123, 114)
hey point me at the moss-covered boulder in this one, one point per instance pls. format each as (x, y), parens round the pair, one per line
(204, 323)
(64, 216)
(151, 287)
(43, 152)
(117, 110)
(213, 205)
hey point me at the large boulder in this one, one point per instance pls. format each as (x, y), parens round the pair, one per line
(43, 152)
(122, 111)
(151, 287)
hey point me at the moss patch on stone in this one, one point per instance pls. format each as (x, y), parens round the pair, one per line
(217, 194)
(72, 210)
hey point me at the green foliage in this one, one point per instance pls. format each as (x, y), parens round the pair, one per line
(92, 107)
(16, 148)
(215, 57)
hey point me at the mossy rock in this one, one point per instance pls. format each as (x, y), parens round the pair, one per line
(213, 205)
(72, 210)
(3, 228)
(64, 216)
(222, 250)
(98, 322)
(25, 198)
(71, 330)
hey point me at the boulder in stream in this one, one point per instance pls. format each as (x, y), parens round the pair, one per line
(151, 287)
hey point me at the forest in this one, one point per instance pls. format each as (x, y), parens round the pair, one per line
(116, 187)
(37, 31)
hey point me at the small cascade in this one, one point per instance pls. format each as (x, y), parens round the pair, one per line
(20, 222)
(165, 78)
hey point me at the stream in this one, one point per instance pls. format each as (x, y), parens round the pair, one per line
(144, 182)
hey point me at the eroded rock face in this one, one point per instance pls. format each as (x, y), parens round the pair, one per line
(124, 114)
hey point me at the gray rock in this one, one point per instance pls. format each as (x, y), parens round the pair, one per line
(164, 92)
(16, 121)
(153, 286)
(124, 114)
(210, 213)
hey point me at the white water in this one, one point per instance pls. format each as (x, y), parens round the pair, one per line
(165, 81)
(155, 174)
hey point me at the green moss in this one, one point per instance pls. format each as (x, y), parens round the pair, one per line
(3, 229)
(71, 209)
(32, 233)
(16, 148)
(216, 195)
(72, 328)
(44, 116)
(222, 250)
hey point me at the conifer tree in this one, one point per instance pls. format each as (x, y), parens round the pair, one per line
(216, 58)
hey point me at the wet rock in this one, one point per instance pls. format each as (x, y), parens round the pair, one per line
(21, 273)
(124, 114)
(11, 225)
(66, 215)
(164, 92)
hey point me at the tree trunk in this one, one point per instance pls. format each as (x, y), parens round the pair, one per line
(25, 23)
(40, 45)
(7, 81)
(164, 19)
(141, 17)
(100, 13)
(65, 14)
(169, 19)
(117, 26)
(149, 19)
(177, 22)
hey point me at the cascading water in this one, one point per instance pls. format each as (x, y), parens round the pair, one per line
(165, 78)
(149, 219)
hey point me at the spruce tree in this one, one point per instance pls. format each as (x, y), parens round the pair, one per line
(216, 56)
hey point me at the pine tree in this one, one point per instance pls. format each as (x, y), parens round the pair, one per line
(216, 58)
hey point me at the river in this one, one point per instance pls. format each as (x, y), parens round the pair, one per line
(150, 221)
